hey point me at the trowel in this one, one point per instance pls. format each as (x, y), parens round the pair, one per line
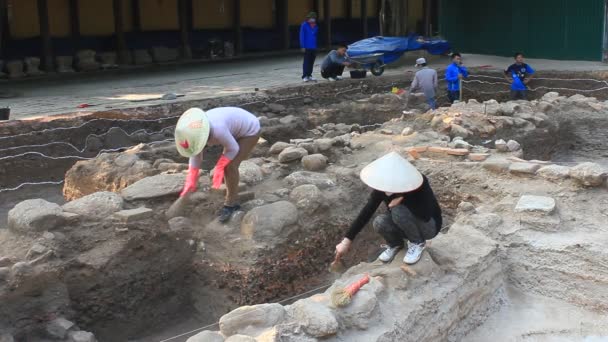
(337, 266)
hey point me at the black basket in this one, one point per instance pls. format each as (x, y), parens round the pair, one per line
(5, 113)
(358, 73)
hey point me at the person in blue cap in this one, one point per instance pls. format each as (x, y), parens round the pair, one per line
(308, 43)
(453, 74)
(519, 74)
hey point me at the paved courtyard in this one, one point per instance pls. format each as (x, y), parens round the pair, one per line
(44, 97)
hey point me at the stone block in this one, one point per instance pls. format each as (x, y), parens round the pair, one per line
(323, 144)
(589, 174)
(251, 320)
(291, 154)
(513, 146)
(98, 205)
(34, 215)
(316, 319)
(162, 54)
(530, 203)
(321, 180)
(154, 187)
(64, 64)
(132, 215)
(206, 336)
(32, 66)
(523, 168)
(108, 60)
(15, 69)
(85, 60)
(58, 328)
(554, 172)
(278, 147)
(269, 221)
(499, 166)
(314, 162)
(478, 157)
(81, 336)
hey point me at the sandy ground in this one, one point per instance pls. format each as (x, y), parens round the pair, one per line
(43, 97)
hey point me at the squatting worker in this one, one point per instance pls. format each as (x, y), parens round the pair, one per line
(426, 81)
(413, 212)
(453, 74)
(237, 130)
(519, 75)
(333, 65)
(308, 43)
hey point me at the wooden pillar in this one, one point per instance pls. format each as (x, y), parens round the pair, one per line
(316, 7)
(3, 24)
(428, 10)
(348, 6)
(45, 35)
(136, 15)
(364, 28)
(74, 20)
(283, 21)
(238, 31)
(122, 50)
(327, 20)
(184, 27)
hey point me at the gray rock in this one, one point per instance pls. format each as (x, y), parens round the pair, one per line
(321, 180)
(157, 162)
(6, 337)
(15, 69)
(466, 207)
(358, 313)
(36, 249)
(499, 166)
(269, 221)
(32, 66)
(545, 107)
(132, 215)
(459, 131)
(34, 215)
(554, 172)
(323, 144)
(81, 336)
(386, 131)
(172, 167)
(407, 131)
(250, 173)
(276, 107)
(524, 168)
(59, 327)
(314, 162)
(154, 187)
(492, 107)
(141, 57)
(291, 154)
(316, 319)
(342, 140)
(97, 205)
(550, 96)
(501, 145)
(4, 273)
(206, 336)
(588, 174)
(5, 261)
(251, 320)
(307, 198)
(278, 147)
(513, 146)
(529, 203)
(240, 338)
(85, 60)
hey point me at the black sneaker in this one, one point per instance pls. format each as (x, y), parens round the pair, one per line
(227, 211)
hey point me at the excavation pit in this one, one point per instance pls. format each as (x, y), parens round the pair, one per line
(149, 279)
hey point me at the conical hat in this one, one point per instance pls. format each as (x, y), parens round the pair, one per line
(391, 173)
(192, 132)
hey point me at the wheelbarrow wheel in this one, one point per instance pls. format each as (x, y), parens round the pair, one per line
(377, 69)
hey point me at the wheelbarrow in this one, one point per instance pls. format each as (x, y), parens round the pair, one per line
(373, 62)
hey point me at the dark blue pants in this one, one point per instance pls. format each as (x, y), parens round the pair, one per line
(519, 95)
(309, 61)
(454, 95)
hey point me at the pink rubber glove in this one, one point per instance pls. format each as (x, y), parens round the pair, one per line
(218, 174)
(191, 181)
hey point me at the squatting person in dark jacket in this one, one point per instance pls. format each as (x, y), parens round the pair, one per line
(333, 65)
(308, 43)
(413, 211)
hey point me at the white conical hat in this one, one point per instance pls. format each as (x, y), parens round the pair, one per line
(391, 173)
(192, 132)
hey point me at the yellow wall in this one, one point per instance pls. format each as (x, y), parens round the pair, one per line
(338, 8)
(59, 18)
(158, 15)
(415, 13)
(298, 9)
(212, 14)
(96, 17)
(23, 16)
(258, 13)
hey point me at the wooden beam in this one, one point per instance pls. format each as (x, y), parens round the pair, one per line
(327, 20)
(364, 28)
(238, 31)
(428, 10)
(45, 35)
(74, 19)
(122, 50)
(184, 27)
(316, 7)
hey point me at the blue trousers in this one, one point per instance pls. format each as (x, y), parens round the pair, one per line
(309, 61)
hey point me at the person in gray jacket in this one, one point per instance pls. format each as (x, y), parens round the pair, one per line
(333, 65)
(425, 80)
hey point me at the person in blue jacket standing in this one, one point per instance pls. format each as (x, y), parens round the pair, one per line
(308, 43)
(519, 74)
(453, 74)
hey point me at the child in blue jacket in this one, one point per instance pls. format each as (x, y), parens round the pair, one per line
(308, 43)
(453, 74)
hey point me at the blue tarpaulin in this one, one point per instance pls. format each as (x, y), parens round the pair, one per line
(394, 47)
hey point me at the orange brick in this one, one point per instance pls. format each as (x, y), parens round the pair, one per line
(414, 154)
(457, 151)
(479, 157)
(420, 149)
(437, 149)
